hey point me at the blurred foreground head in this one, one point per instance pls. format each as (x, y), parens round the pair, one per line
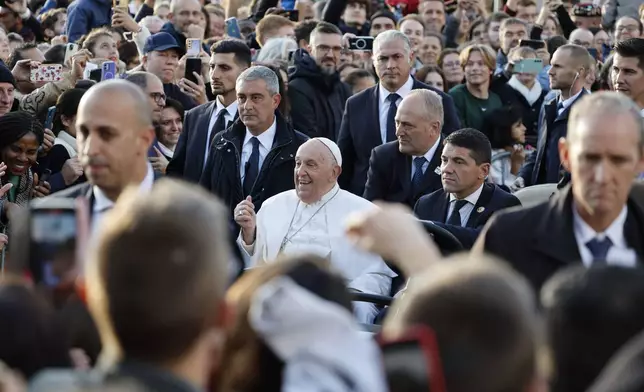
(157, 277)
(590, 314)
(484, 319)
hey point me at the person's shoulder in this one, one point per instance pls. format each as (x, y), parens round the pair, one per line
(351, 202)
(279, 200)
(517, 217)
(459, 89)
(504, 196)
(299, 137)
(74, 191)
(389, 149)
(200, 109)
(431, 197)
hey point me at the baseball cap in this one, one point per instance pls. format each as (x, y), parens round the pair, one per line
(586, 9)
(160, 42)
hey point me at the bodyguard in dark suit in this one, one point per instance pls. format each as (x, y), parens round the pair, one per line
(570, 65)
(600, 217)
(255, 156)
(404, 170)
(466, 201)
(229, 59)
(369, 116)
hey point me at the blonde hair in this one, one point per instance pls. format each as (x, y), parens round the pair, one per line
(521, 52)
(486, 52)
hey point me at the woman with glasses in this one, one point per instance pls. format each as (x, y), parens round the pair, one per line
(450, 63)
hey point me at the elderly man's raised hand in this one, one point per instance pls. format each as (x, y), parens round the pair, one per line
(246, 218)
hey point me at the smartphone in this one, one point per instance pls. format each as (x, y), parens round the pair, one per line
(70, 50)
(125, 4)
(47, 73)
(232, 28)
(361, 43)
(193, 47)
(412, 363)
(532, 43)
(108, 70)
(52, 229)
(529, 66)
(192, 65)
(291, 54)
(292, 15)
(49, 121)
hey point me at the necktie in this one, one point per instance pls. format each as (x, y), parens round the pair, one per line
(391, 117)
(599, 249)
(220, 124)
(418, 172)
(455, 218)
(252, 167)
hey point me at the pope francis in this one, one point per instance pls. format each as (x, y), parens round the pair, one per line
(310, 219)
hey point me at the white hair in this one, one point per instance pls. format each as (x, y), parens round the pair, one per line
(432, 104)
(389, 36)
(259, 72)
(277, 49)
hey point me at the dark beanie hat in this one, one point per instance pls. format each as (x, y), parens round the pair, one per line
(5, 75)
(384, 14)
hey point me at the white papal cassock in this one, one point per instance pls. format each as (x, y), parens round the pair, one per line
(285, 223)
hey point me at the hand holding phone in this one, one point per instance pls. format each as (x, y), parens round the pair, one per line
(47, 73)
(49, 122)
(529, 66)
(232, 28)
(193, 47)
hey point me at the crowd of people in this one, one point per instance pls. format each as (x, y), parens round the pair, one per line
(322, 195)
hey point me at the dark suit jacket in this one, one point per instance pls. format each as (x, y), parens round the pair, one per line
(360, 133)
(188, 159)
(221, 175)
(434, 207)
(551, 127)
(389, 176)
(540, 240)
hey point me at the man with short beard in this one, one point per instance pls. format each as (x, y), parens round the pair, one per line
(230, 57)
(316, 94)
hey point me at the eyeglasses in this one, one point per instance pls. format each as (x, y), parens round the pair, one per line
(159, 98)
(326, 49)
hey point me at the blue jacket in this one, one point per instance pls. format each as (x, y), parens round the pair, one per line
(85, 15)
(168, 27)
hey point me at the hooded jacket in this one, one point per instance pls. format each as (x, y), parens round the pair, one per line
(317, 100)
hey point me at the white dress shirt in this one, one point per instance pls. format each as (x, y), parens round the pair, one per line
(265, 145)
(383, 104)
(568, 102)
(230, 116)
(618, 254)
(103, 204)
(467, 209)
(429, 155)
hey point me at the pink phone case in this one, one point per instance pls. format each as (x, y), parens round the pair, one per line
(47, 73)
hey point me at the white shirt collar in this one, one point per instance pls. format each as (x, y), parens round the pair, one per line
(403, 91)
(615, 231)
(325, 198)
(103, 203)
(265, 138)
(429, 155)
(472, 198)
(570, 100)
(165, 150)
(231, 109)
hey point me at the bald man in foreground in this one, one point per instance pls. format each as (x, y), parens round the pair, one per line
(115, 131)
(310, 219)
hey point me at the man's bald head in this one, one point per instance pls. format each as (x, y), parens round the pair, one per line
(582, 37)
(152, 87)
(316, 169)
(116, 90)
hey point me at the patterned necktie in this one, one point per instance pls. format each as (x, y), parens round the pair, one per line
(220, 124)
(419, 162)
(252, 167)
(391, 117)
(599, 249)
(455, 218)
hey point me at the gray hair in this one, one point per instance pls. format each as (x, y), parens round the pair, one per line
(259, 72)
(389, 36)
(432, 104)
(277, 49)
(601, 104)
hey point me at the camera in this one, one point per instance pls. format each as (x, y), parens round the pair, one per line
(361, 43)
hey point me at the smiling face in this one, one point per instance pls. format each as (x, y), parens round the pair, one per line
(476, 71)
(21, 155)
(380, 24)
(430, 50)
(518, 132)
(171, 127)
(433, 14)
(414, 31)
(316, 171)
(185, 13)
(626, 28)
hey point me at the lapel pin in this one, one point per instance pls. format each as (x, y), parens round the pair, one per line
(437, 170)
(480, 209)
